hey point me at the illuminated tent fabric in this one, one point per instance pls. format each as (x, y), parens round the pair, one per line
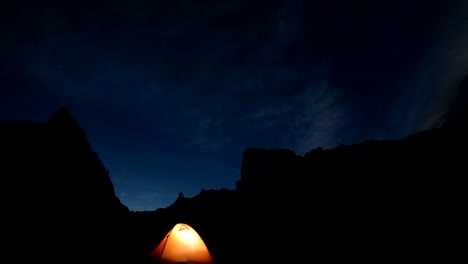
(182, 244)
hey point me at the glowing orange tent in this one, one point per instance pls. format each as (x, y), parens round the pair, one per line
(182, 244)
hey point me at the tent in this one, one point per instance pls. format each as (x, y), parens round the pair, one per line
(182, 244)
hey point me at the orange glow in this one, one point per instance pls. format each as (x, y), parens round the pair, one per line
(182, 244)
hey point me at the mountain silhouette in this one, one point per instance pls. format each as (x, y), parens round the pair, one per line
(377, 201)
(58, 201)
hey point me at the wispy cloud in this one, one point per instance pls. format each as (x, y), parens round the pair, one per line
(231, 86)
(322, 115)
(426, 96)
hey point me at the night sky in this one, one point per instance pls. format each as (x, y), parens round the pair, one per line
(171, 92)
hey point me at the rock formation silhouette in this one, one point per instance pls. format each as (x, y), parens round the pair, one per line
(58, 201)
(377, 201)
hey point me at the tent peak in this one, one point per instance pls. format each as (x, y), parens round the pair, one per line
(182, 244)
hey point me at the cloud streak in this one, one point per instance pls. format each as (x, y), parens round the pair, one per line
(321, 117)
(230, 87)
(428, 94)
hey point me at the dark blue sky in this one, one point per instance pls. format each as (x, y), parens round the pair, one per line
(171, 92)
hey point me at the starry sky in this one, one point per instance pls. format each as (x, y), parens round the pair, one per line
(171, 92)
